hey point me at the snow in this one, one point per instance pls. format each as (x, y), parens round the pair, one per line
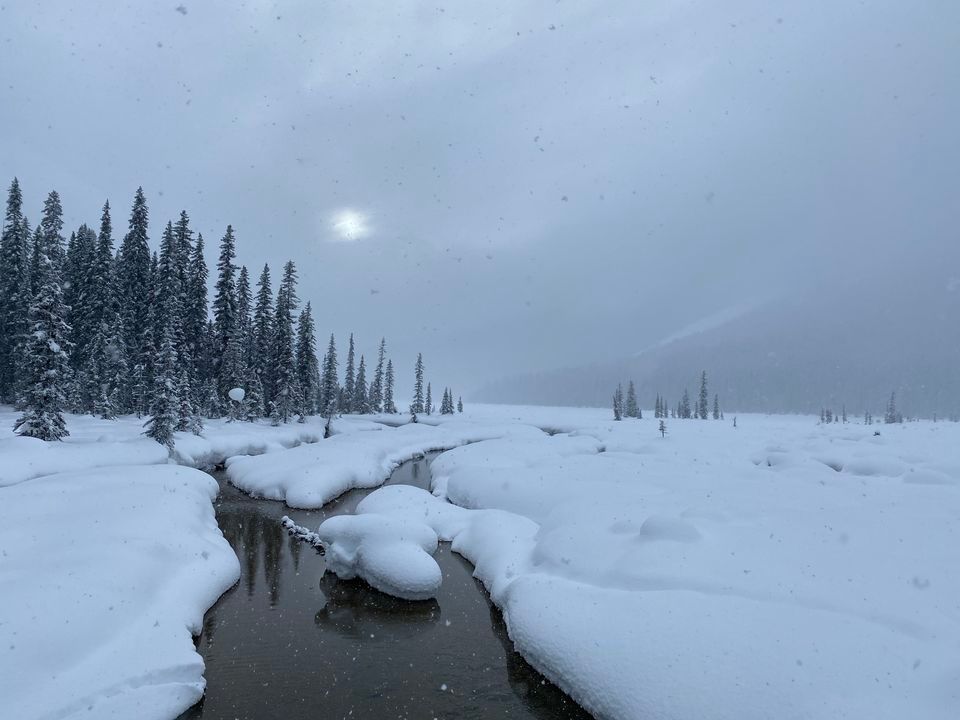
(309, 476)
(779, 569)
(237, 394)
(106, 574)
(391, 554)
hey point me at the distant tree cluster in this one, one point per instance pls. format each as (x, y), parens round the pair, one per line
(88, 328)
(626, 406)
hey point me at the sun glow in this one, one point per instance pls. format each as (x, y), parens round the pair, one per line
(349, 225)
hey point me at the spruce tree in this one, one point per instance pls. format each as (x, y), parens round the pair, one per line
(702, 406)
(460, 405)
(684, 411)
(133, 285)
(15, 297)
(244, 317)
(329, 383)
(262, 342)
(618, 403)
(716, 407)
(45, 362)
(225, 308)
(349, 379)
(195, 319)
(416, 407)
(376, 387)
(283, 401)
(164, 403)
(389, 406)
(428, 402)
(630, 408)
(360, 402)
(308, 374)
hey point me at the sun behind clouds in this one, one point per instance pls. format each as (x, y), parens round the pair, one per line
(349, 225)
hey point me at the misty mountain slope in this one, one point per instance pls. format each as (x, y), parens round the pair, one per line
(824, 348)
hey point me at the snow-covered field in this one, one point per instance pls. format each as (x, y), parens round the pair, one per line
(777, 569)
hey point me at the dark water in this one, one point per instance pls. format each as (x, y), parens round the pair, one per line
(285, 643)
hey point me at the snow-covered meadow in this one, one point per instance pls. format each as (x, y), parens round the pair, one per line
(777, 569)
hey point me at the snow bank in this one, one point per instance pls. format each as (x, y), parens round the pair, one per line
(681, 577)
(311, 475)
(23, 458)
(391, 554)
(106, 574)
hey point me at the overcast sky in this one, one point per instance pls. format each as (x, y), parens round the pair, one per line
(503, 185)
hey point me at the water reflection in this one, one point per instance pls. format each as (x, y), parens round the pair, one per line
(290, 641)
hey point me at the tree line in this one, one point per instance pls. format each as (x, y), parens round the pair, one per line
(626, 405)
(89, 328)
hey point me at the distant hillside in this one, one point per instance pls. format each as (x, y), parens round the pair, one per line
(829, 348)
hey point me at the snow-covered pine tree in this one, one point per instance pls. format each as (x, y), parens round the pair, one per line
(282, 357)
(225, 309)
(164, 403)
(253, 399)
(890, 416)
(308, 373)
(618, 403)
(244, 316)
(360, 402)
(685, 411)
(15, 298)
(133, 286)
(389, 406)
(716, 406)
(195, 319)
(185, 408)
(416, 407)
(630, 408)
(329, 382)
(702, 402)
(460, 405)
(428, 401)
(349, 379)
(263, 314)
(45, 363)
(376, 386)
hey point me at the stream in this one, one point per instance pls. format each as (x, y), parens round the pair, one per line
(291, 641)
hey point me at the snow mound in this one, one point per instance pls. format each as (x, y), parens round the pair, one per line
(391, 554)
(106, 575)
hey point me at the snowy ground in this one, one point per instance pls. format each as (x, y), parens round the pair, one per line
(778, 569)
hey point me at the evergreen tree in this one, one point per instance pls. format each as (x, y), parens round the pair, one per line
(376, 387)
(263, 331)
(329, 383)
(308, 374)
(195, 318)
(618, 403)
(891, 415)
(349, 379)
(15, 297)
(164, 403)
(253, 399)
(283, 400)
(702, 406)
(225, 309)
(46, 362)
(428, 402)
(684, 411)
(716, 406)
(388, 405)
(244, 319)
(630, 408)
(133, 286)
(416, 407)
(360, 402)
(460, 405)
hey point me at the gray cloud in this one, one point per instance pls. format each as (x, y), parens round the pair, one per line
(545, 182)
